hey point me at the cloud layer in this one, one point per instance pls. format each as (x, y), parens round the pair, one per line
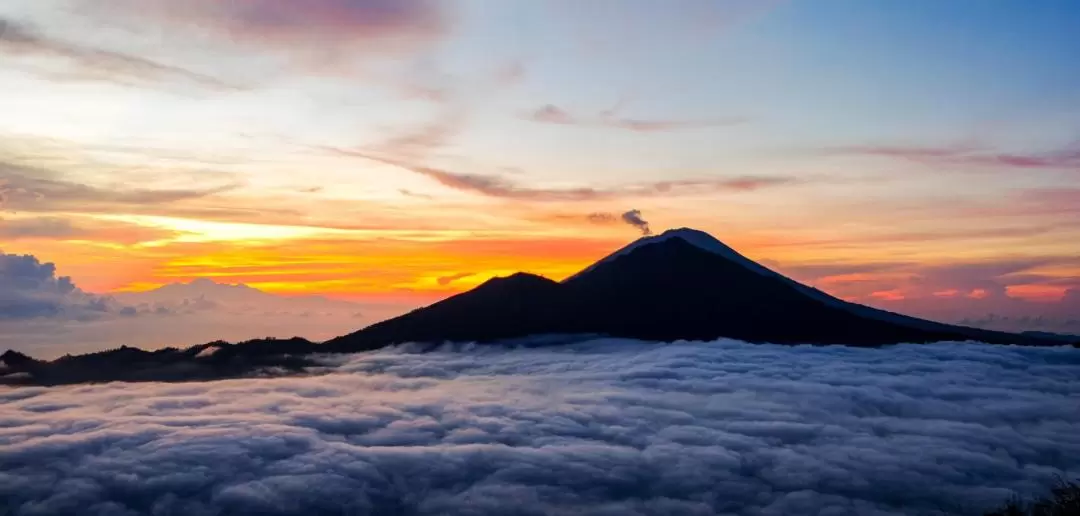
(605, 427)
(47, 315)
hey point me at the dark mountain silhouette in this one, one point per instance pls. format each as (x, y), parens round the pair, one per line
(203, 362)
(681, 285)
(501, 308)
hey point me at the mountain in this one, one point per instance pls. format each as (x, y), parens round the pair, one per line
(206, 294)
(683, 284)
(210, 361)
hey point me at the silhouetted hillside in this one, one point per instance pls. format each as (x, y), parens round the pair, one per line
(204, 362)
(680, 285)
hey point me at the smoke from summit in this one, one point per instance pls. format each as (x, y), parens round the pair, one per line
(633, 217)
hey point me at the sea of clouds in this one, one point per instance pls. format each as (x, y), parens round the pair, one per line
(608, 427)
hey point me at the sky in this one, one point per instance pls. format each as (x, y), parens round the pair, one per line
(919, 156)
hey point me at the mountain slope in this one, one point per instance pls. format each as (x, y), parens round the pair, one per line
(682, 284)
(501, 308)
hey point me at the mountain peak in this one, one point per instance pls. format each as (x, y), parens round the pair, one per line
(694, 237)
(14, 358)
(209, 283)
(516, 279)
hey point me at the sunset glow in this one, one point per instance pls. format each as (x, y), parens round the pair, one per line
(396, 153)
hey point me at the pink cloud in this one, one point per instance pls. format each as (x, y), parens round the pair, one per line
(506, 188)
(888, 295)
(320, 31)
(511, 73)
(647, 126)
(969, 155)
(552, 114)
(1013, 289)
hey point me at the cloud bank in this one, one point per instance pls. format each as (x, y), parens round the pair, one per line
(30, 289)
(48, 316)
(601, 427)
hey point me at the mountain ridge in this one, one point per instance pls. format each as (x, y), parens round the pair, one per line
(680, 285)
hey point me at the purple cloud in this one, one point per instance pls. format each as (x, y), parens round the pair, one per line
(602, 218)
(502, 187)
(968, 155)
(552, 114)
(319, 33)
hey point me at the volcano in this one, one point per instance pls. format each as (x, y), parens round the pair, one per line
(680, 285)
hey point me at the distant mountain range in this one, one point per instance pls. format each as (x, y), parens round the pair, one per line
(206, 294)
(680, 285)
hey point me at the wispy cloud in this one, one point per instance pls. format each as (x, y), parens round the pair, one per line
(67, 228)
(552, 114)
(85, 63)
(503, 187)
(602, 218)
(511, 73)
(40, 190)
(1058, 201)
(314, 33)
(446, 280)
(1015, 287)
(967, 155)
(419, 141)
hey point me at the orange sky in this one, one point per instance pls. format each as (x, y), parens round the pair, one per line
(415, 154)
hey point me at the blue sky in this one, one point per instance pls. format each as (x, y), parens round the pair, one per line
(147, 142)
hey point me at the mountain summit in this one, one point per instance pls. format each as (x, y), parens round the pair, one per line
(682, 284)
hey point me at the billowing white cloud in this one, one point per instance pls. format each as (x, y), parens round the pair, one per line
(47, 315)
(30, 289)
(601, 427)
